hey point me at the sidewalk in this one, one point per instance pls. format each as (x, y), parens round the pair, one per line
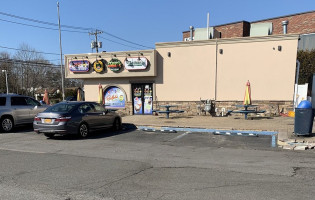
(284, 126)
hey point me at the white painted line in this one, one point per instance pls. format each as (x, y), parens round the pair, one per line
(18, 150)
(178, 137)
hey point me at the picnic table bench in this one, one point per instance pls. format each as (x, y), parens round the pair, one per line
(168, 111)
(246, 111)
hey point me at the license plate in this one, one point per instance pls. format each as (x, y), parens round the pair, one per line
(47, 120)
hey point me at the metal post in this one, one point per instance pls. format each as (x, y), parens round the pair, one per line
(61, 61)
(96, 41)
(297, 83)
(191, 33)
(6, 80)
(208, 21)
(216, 70)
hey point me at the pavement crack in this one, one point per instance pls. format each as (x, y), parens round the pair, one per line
(106, 185)
(128, 176)
(295, 169)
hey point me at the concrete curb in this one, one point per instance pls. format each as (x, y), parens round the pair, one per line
(205, 130)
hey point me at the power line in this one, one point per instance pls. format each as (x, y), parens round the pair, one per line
(126, 40)
(55, 29)
(29, 62)
(29, 50)
(72, 27)
(118, 42)
(43, 22)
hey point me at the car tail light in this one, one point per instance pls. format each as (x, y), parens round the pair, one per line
(63, 119)
(37, 119)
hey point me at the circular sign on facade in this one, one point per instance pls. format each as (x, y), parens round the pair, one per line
(115, 97)
(114, 64)
(98, 66)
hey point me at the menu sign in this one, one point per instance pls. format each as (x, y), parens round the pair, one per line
(148, 99)
(79, 66)
(137, 101)
(138, 63)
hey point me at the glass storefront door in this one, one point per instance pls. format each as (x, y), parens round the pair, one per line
(142, 98)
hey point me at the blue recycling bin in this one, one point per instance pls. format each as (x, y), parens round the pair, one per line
(303, 121)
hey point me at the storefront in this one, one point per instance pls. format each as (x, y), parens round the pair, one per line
(127, 78)
(182, 73)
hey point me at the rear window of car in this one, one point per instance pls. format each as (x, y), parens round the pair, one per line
(61, 108)
(2, 101)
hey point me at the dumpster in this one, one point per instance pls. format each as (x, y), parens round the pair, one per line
(303, 121)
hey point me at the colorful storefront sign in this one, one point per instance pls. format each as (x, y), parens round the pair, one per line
(148, 104)
(137, 100)
(98, 66)
(115, 97)
(79, 66)
(138, 63)
(142, 99)
(114, 64)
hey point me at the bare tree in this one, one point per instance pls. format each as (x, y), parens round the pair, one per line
(28, 70)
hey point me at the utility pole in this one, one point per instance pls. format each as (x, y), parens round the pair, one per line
(96, 44)
(61, 62)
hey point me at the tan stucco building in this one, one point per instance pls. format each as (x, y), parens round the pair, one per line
(182, 73)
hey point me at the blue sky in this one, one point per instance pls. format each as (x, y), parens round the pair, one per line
(143, 22)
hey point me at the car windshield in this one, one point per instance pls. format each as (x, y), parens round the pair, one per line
(60, 108)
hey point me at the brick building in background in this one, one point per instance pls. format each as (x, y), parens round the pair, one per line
(300, 23)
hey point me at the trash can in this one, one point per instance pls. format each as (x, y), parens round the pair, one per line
(303, 121)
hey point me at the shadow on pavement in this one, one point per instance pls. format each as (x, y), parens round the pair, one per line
(22, 129)
(126, 128)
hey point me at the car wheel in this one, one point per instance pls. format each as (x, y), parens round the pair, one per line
(6, 124)
(117, 125)
(49, 135)
(83, 130)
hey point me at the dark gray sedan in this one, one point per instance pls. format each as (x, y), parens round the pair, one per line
(75, 118)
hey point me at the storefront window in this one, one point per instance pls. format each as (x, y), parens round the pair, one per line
(115, 97)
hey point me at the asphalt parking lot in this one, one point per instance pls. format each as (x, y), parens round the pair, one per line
(133, 164)
(131, 134)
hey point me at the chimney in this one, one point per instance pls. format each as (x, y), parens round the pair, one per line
(191, 33)
(285, 26)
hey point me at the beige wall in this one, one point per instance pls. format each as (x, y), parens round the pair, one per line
(91, 86)
(187, 75)
(190, 72)
(271, 72)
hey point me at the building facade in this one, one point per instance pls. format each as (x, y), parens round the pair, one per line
(182, 73)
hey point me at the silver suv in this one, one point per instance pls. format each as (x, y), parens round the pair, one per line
(17, 109)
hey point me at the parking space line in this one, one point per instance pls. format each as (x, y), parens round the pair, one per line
(178, 137)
